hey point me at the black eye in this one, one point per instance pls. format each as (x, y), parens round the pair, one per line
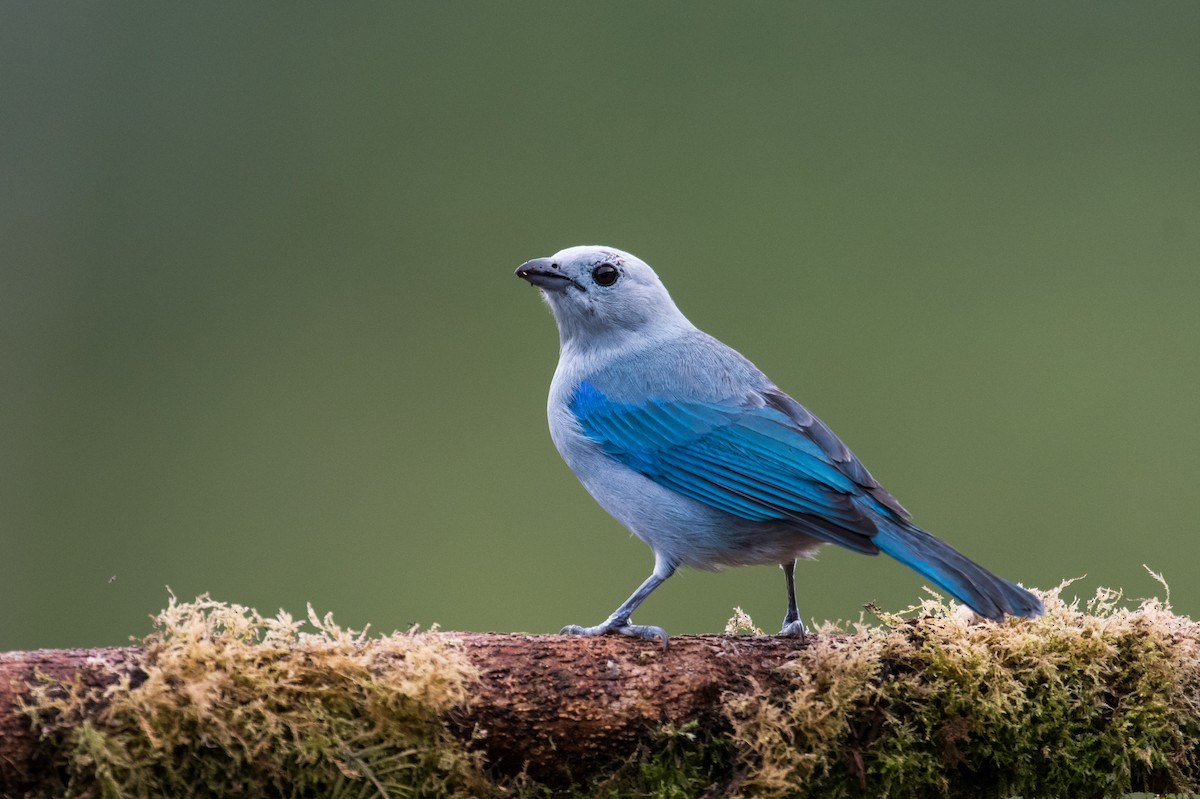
(605, 275)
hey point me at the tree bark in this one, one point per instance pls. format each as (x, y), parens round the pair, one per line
(555, 706)
(562, 707)
(1097, 704)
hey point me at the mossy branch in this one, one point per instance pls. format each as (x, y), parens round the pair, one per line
(221, 701)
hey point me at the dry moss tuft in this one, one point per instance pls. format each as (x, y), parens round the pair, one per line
(1084, 701)
(1074, 703)
(740, 623)
(226, 702)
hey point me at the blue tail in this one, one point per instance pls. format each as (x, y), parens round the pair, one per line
(967, 581)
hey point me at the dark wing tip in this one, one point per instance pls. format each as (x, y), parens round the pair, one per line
(839, 454)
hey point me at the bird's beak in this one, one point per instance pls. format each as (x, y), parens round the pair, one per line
(544, 273)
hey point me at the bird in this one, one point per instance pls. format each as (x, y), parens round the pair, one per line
(700, 455)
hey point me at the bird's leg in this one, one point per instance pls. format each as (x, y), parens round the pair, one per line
(791, 622)
(618, 622)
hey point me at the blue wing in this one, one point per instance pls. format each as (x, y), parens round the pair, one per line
(762, 460)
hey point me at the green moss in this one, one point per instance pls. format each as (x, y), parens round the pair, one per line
(1073, 703)
(678, 763)
(225, 702)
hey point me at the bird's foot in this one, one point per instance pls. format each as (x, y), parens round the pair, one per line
(619, 627)
(795, 627)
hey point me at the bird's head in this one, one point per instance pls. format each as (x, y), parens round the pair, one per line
(601, 292)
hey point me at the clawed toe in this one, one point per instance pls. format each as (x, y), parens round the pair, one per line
(645, 631)
(794, 628)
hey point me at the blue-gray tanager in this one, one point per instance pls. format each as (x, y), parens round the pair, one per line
(696, 451)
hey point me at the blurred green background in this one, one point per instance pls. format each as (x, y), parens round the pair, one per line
(260, 335)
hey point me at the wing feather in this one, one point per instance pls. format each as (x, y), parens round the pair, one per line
(754, 460)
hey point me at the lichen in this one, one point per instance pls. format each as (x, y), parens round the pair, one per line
(1078, 702)
(225, 702)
